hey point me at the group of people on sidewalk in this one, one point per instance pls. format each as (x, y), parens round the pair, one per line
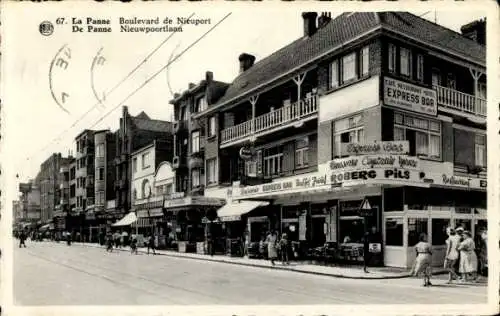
(276, 246)
(461, 255)
(119, 240)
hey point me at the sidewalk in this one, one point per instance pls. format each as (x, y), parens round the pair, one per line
(354, 272)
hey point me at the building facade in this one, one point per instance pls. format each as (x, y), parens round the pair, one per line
(62, 209)
(189, 207)
(105, 152)
(134, 133)
(147, 198)
(49, 181)
(30, 203)
(370, 120)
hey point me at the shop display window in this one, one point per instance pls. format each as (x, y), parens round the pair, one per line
(416, 226)
(352, 230)
(394, 231)
(439, 235)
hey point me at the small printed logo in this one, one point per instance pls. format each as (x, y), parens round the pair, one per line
(46, 28)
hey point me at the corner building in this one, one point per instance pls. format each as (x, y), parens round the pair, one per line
(385, 107)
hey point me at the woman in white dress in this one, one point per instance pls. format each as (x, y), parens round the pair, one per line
(451, 253)
(468, 257)
(272, 252)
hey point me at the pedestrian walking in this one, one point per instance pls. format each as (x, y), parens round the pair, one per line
(109, 242)
(271, 240)
(151, 244)
(283, 245)
(451, 253)
(68, 238)
(116, 237)
(22, 239)
(133, 245)
(468, 258)
(423, 260)
(124, 240)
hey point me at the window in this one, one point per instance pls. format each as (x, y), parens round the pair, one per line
(78, 146)
(201, 104)
(405, 62)
(480, 150)
(439, 235)
(135, 194)
(420, 67)
(99, 151)
(100, 174)
(145, 189)
(302, 152)
(392, 58)
(436, 77)
(416, 227)
(211, 171)
(365, 61)
(145, 161)
(423, 135)
(99, 198)
(394, 231)
(183, 113)
(349, 67)
(211, 126)
(168, 188)
(273, 161)
(195, 178)
(134, 165)
(195, 142)
(348, 130)
(334, 74)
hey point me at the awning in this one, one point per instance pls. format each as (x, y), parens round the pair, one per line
(233, 211)
(126, 220)
(45, 227)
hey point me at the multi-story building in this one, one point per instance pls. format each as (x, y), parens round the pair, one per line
(190, 138)
(49, 183)
(30, 202)
(84, 174)
(62, 208)
(147, 200)
(17, 213)
(105, 151)
(368, 120)
(134, 132)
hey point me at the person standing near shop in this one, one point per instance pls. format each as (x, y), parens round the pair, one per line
(22, 239)
(283, 245)
(468, 258)
(423, 260)
(271, 240)
(370, 238)
(151, 244)
(451, 253)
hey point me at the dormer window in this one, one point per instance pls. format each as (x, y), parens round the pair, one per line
(201, 104)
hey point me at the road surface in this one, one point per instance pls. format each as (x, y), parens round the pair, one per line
(55, 274)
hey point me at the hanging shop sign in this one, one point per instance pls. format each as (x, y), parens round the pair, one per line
(245, 153)
(376, 148)
(409, 96)
(195, 201)
(155, 212)
(375, 161)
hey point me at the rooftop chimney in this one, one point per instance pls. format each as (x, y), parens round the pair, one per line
(176, 95)
(191, 85)
(246, 61)
(209, 76)
(324, 19)
(475, 31)
(309, 23)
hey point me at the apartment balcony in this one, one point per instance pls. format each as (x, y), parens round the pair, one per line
(64, 185)
(287, 116)
(460, 102)
(470, 171)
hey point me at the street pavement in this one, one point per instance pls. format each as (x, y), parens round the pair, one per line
(56, 274)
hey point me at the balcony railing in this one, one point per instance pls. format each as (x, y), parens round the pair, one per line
(459, 101)
(278, 117)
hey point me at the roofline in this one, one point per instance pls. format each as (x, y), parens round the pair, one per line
(331, 50)
(151, 144)
(83, 132)
(468, 59)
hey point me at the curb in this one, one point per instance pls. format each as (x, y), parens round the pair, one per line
(335, 275)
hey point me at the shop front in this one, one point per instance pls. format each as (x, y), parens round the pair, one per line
(410, 212)
(187, 225)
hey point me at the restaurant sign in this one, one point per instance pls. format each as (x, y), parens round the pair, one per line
(375, 161)
(376, 148)
(309, 181)
(455, 181)
(409, 97)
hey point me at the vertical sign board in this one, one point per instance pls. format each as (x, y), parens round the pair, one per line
(302, 227)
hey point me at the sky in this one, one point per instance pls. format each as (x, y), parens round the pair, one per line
(32, 119)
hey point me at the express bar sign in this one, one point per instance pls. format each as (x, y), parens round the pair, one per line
(409, 97)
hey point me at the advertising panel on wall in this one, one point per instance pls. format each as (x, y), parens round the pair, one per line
(409, 96)
(375, 148)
